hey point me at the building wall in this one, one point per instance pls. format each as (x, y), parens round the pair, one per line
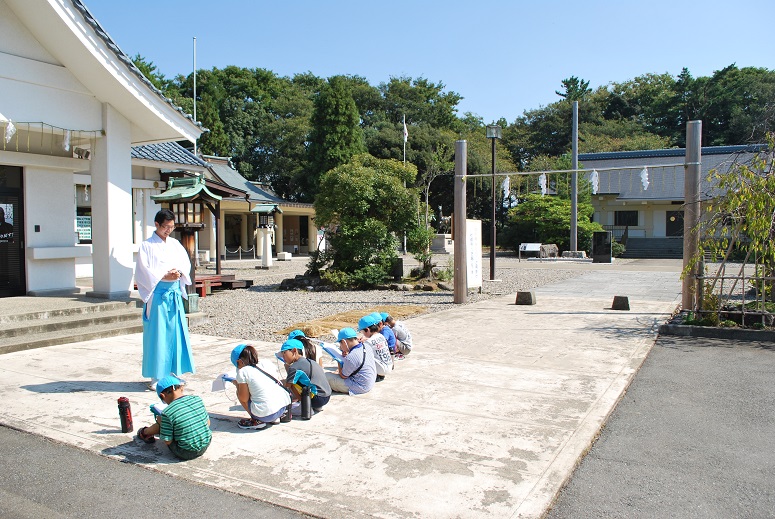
(50, 198)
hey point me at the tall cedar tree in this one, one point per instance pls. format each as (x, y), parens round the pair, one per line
(336, 134)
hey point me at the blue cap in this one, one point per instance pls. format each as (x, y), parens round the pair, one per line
(384, 316)
(346, 333)
(296, 333)
(377, 317)
(366, 321)
(168, 381)
(236, 352)
(292, 344)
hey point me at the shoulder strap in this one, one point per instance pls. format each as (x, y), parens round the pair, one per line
(270, 376)
(363, 361)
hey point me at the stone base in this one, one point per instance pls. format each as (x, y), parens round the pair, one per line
(443, 244)
(55, 292)
(525, 298)
(284, 256)
(620, 303)
(272, 267)
(119, 294)
(574, 254)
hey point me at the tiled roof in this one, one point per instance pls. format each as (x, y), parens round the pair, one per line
(170, 152)
(222, 168)
(121, 56)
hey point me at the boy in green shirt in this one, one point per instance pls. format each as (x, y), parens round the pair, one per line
(183, 425)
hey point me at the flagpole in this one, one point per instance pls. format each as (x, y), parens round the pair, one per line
(194, 89)
(405, 136)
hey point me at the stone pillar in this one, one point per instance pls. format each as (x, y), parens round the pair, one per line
(243, 227)
(312, 233)
(111, 174)
(278, 239)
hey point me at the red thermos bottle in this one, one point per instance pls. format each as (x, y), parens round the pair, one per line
(125, 412)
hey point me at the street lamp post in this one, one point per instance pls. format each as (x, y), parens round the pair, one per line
(494, 133)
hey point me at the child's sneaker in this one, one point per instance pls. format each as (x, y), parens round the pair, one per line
(249, 423)
(398, 356)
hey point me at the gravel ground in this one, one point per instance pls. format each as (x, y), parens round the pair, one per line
(259, 312)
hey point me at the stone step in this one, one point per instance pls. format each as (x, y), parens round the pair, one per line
(41, 340)
(45, 324)
(73, 309)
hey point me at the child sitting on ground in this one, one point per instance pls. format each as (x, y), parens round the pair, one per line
(184, 425)
(377, 342)
(387, 332)
(262, 395)
(291, 353)
(311, 351)
(403, 337)
(357, 373)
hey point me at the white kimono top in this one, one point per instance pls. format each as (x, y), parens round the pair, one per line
(155, 259)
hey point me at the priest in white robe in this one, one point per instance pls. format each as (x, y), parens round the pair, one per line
(161, 274)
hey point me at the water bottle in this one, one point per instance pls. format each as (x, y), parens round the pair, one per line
(306, 404)
(125, 413)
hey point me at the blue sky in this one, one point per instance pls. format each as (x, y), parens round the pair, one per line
(502, 56)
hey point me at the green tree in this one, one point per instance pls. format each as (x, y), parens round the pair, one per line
(364, 204)
(214, 141)
(336, 133)
(546, 219)
(742, 216)
(152, 73)
(575, 89)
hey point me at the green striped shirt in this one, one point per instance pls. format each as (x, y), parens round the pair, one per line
(185, 421)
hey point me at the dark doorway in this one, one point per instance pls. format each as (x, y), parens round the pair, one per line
(12, 279)
(675, 223)
(304, 233)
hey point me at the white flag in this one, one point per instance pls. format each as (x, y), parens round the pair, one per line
(542, 183)
(644, 178)
(10, 129)
(506, 187)
(594, 179)
(406, 133)
(66, 141)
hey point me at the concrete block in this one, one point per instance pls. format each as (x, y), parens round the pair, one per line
(620, 303)
(525, 298)
(284, 256)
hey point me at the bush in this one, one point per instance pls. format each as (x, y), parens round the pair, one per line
(317, 262)
(368, 277)
(418, 242)
(617, 249)
(546, 219)
(336, 278)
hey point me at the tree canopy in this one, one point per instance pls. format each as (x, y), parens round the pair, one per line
(288, 131)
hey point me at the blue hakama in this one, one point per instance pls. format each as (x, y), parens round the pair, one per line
(166, 345)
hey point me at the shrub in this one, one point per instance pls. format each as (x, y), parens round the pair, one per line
(336, 278)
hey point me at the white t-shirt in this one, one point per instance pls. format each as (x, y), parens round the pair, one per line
(381, 351)
(266, 397)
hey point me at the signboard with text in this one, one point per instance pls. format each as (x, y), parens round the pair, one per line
(474, 253)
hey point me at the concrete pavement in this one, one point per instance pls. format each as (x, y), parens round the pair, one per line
(487, 417)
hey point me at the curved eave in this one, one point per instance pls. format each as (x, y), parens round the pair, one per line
(64, 32)
(185, 194)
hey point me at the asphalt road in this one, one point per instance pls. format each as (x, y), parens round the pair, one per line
(40, 478)
(693, 437)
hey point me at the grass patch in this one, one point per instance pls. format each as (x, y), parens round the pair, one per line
(324, 325)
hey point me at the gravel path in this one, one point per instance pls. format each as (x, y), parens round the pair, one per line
(259, 312)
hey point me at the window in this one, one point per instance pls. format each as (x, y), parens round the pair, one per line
(622, 218)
